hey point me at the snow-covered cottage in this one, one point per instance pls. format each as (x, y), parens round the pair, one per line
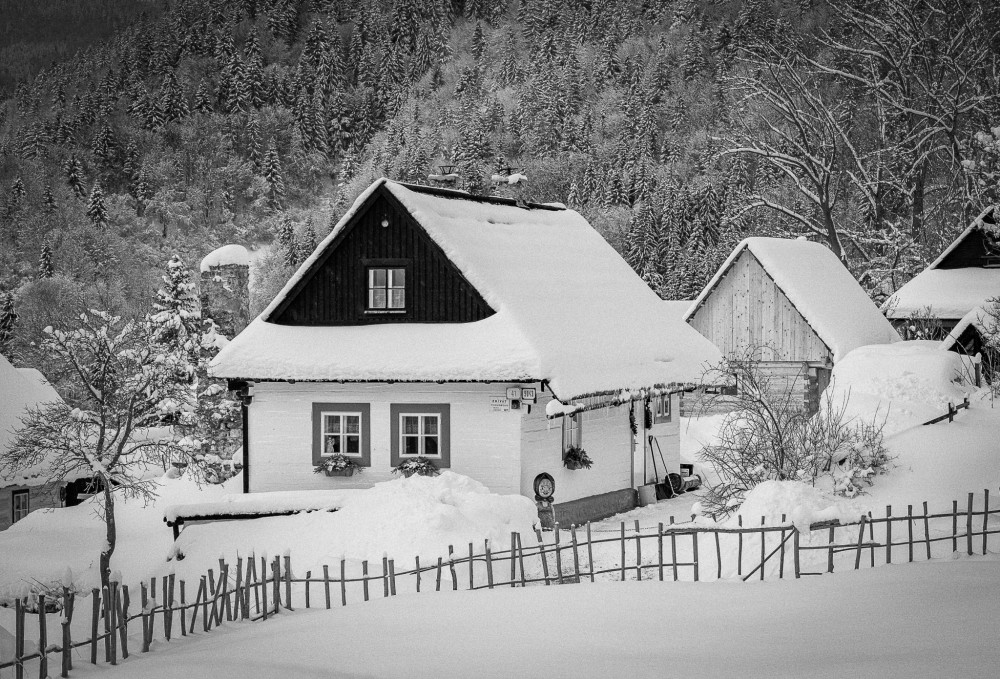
(794, 304)
(951, 290)
(27, 490)
(485, 334)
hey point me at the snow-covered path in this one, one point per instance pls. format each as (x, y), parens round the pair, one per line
(936, 619)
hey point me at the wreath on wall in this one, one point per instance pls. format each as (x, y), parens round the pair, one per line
(648, 415)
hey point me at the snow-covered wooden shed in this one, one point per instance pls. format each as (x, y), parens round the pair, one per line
(953, 286)
(27, 490)
(795, 305)
(418, 321)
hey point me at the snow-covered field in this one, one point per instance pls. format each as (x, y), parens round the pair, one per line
(920, 620)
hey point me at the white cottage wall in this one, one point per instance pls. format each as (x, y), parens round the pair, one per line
(484, 444)
(606, 438)
(668, 436)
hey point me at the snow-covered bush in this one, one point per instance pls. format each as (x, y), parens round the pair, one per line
(417, 465)
(769, 437)
(337, 463)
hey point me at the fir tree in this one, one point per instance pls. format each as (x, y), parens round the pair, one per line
(176, 317)
(273, 175)
(8, 319)
(48, 200)
(307, 243)
(97, 212)
(478, 43)
(73, 170)
(286, 239)
(45, 269)
(203, 99)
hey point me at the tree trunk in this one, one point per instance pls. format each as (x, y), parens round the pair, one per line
(111, 536)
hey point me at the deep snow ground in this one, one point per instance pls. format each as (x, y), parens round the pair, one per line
(919, 620)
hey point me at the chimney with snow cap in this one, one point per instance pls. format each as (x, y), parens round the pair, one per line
(225, 288)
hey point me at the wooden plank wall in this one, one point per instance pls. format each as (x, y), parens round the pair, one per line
(746, 309)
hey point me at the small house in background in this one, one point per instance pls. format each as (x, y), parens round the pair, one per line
(795, 306)
(486, 335)
(28, 489)
(948, 293)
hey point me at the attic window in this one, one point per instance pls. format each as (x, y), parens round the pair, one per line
(386, 289)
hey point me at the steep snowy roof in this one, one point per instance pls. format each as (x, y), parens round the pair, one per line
(819, 287)
(20, 389)
(978, 318)
(227, 254)
(677, 308)
(569, 310)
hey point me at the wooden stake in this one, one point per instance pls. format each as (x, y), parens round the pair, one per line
(622, 551)
(392, 578)
(986, 516)
(781, 564)
(43, 640)
(659, 549)
(673, 549)
(968, 526)
(520, 557)
(718, 554)
(123, 605)
(472, 584)
(795, 551)
(364, 578)
(326, 584)
(559, 574)
(168, 606)
(19, 632)
(861, 539)
(113, 623)
(888, 534)
(638, 551)
(694, 548)
(541, 554)
(590, 554)
(489, 566)
(739, 551)
(106, 598)
(513, 562)
(437, 585)
(763, 549)
(954, 525)
(385, 576)
(451, 568)
(276, 592)
(829, 558)
(308, 582)
(183, 610)
(239, 593)
(416, 560)
(576, 555)
(343, 582)
(288, 582)
(909, 531)
(927, 532)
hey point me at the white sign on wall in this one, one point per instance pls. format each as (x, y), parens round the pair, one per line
(499, 403)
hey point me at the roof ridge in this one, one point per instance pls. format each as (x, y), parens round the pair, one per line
(458, 194)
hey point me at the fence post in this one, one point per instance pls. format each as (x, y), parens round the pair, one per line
(927, 531)
(392, 577)
(96, 598)
(513, 562)
(861, 539)
(276, 567)
(590, 553)
(288, 582)
(105, 598)
(763, 548)
(673, 549)
(659, 549)
(184, 609)
(238, 592)
(909, 532)
(954, 525)
(795, 551)
(576, 555)
(113, 628)
(694, 548)
(416, 561)
(638, 551)
(871, 538)
(308, 582)
(168, 606)
(739, 549)
(543, 557)
(472, 584)
(489, 565)
(43, 640)
(385, 575)
(364, 578)
(986, 516)
(559, 574)
(123, 604)
(781, 547)
(343, 582)
(19, 632)
(951, 412)
(622, 550)
(451, 568)
(437, 585)
(968, 526)
(888, 534)
(718, 554)
(520, 558)
(67, 643)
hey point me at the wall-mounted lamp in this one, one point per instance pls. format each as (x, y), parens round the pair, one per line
(385, 222)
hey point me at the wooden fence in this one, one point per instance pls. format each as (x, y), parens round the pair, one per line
(952, 411)
(258, 588)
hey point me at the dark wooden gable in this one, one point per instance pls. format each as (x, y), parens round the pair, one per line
(979, 248)
(335, 290)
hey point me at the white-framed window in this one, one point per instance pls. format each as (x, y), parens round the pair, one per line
(420, 435)
(341, 434)
(19, 501)
(572, 431)
(387, 288)
(661, 408)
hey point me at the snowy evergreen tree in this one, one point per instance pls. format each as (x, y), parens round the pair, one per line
(286, 239)
(273, 175)
(8, 319)
(97, 212)
(176, 317)
(45, 269)
(73, 170)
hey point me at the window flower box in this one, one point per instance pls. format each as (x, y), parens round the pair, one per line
(338, 465)
(417, 465)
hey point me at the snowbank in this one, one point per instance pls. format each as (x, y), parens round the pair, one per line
(403, 518)
(801, 503)
(226, 255)
(908, 383)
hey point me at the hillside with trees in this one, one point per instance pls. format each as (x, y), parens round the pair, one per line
(677, 128)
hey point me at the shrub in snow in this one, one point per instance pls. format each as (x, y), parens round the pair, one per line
(769, 437)
(338, 463)
(576, 458)
(417, 465)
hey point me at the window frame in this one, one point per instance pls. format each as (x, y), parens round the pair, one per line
(662, 409)
(319, 413)
(370, 265)
(572, 431)
(15, 515)
(443, 412)
(342, 432)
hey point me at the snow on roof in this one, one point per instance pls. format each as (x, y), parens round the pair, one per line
(979, 318)
(677, 308)
(569, 310)
(20, 389)
(944, 293)
(819, 287)
(226, 255)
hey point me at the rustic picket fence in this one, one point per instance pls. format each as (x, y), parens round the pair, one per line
(258, 588)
